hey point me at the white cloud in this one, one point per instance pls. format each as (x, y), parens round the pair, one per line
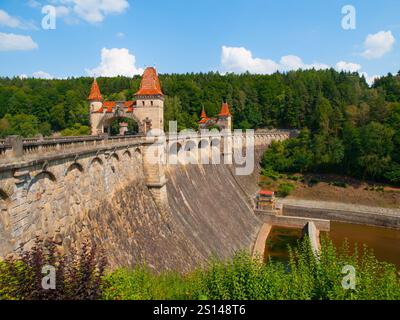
(239, 59)
(292, 62)
(116, 62)
(34, 3)
(120, 34)
(42, 75)
(234, 59)
(8, 21)
(93, 11)
(37, 75)
(13, 22)
(378, 44)
(347, 66)
(62, 11)
(15, 42)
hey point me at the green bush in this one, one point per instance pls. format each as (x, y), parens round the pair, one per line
(244, 278)
(339, 184)
(285, 189)
(312, 182)
(77, 275)
(270, 173)
(294, 178)
(76, 130)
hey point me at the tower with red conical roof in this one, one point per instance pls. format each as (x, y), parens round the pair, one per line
(96, 104)
(224, 117)
(150, 101)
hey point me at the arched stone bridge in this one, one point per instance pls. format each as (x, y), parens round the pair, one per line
(46, 183)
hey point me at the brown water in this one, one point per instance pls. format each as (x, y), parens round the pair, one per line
(384, 242)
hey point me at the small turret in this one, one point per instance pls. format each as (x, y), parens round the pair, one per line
(96, 109)
(95, 94)
(150, 101)
(203, 116)
(95, 98)
(225, 117)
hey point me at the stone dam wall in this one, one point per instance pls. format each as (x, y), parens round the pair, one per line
(99, 191)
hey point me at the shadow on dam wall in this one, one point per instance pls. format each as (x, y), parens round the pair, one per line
(209, 214)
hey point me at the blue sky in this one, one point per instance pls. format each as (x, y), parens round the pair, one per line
(105, 37)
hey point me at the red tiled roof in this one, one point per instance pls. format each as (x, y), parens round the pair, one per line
(204, 120)
(109, 105)
(129, 103)
(203, 116)
(225, 110)
(95, 94)
(266, 193)
(203, 113)
(150, 84)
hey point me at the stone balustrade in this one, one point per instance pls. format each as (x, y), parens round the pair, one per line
(15, 148)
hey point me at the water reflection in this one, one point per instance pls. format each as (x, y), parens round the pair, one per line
(384, 242)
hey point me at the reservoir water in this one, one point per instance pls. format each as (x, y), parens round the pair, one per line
(385, 242)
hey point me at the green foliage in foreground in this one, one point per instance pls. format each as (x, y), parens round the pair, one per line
(246, 278)
(77, 275)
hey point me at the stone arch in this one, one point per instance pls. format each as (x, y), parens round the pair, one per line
(5, 221)
(74, 166)
(174, 151)
(127, 154)
(114, 162)
(190, 145)
(40, 196)
(175, 148)
(204, 151)
(96, 160)
(190, 151)
(96, 179)
(203, 143)
(43, 175)
(114, 157)
(215, 146)
(3, 195)
(215, 143)
(107, 120)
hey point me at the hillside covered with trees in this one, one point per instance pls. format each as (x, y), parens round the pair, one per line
(347, 127)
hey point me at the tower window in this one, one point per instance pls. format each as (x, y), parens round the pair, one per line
(151, 103)
(143, 103)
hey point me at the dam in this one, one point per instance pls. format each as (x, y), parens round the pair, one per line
(104, 189)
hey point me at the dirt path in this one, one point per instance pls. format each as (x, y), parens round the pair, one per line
(339, 206)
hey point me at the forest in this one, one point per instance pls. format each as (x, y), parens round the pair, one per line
(346, 126)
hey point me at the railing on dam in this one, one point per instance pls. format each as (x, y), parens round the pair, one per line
(15, 147)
